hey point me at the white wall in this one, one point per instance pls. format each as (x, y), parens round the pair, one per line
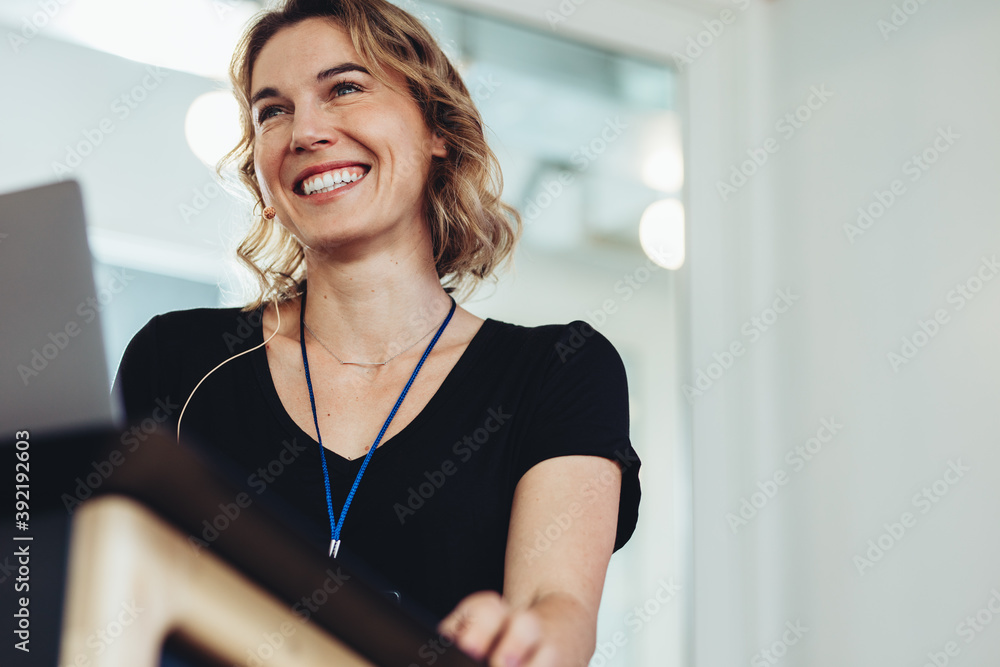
(827, 356)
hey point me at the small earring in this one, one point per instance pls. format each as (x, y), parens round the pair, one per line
(269, 213)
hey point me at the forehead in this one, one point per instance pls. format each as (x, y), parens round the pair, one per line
(300, 51)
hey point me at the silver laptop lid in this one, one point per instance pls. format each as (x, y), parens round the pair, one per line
(53, 374)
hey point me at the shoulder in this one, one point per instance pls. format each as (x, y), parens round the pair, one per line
(226, 329)
(559, 345)
(182, 322)
(172, 350)
(184, 341)
(578, 406)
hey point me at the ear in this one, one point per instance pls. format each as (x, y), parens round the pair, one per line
(439, 147)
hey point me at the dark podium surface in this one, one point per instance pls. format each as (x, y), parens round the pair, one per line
(182, 486)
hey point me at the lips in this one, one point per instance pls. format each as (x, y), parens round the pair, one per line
(328, 177)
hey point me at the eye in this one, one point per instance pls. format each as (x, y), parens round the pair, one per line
(345, 88)
(268, 112)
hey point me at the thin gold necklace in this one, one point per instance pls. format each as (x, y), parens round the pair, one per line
(367, 363)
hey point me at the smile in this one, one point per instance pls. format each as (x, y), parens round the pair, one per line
(328, 181)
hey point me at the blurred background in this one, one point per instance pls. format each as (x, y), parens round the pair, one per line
(781, 212)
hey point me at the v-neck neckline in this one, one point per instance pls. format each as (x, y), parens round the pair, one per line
(451, 383)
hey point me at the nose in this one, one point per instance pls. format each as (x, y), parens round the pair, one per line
(312, 129)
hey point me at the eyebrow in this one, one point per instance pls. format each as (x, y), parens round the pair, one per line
(322, 76)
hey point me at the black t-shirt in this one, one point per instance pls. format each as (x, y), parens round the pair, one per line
(432, 510)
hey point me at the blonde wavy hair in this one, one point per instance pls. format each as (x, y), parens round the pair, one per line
(472, 230)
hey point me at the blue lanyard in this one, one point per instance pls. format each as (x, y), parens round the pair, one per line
(336, 526)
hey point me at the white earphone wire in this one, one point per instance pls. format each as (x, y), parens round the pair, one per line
(277, 309)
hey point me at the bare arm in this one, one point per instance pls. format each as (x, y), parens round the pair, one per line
(561, 536)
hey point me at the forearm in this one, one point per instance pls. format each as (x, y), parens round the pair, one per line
(569, 626)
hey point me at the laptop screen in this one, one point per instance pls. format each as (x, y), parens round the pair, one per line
(53, 374)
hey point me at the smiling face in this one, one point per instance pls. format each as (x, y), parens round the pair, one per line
(341, 156)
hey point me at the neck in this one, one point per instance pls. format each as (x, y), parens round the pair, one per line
(373, 307)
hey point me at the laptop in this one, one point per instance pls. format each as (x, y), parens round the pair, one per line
(53, 376)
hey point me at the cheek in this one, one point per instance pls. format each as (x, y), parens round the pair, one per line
(264, 166)
(404, 138)
(412, 156)
(259, 173)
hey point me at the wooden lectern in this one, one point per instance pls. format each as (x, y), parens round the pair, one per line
(137, 579)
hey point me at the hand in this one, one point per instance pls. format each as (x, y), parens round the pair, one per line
(486, 627)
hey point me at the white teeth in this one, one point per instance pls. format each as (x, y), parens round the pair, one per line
(330, 181)
(313, 185)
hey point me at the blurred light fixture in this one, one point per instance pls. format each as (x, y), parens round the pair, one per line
(661, 233)
(663, 170)
(661, 165)
(212, 126)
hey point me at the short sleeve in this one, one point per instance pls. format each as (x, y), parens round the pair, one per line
(582, 408)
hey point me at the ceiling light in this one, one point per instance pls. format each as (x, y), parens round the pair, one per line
(661, 233)
(212, 126)
(664, 170)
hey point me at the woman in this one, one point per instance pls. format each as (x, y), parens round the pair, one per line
(483, 468)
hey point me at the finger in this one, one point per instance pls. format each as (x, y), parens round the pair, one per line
(476, 623)
(455, 622)
(520, 638)
(452, 624)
